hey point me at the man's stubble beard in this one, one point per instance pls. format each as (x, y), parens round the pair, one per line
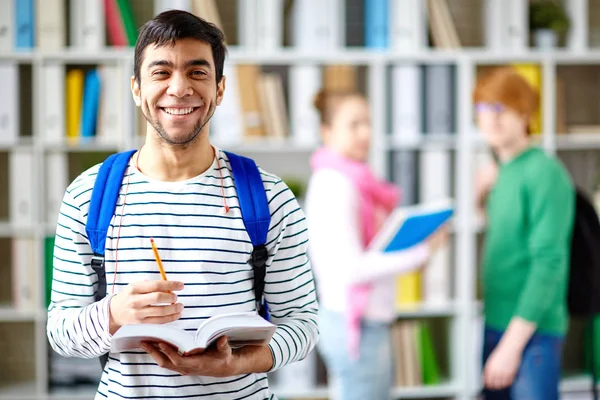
(188, 139)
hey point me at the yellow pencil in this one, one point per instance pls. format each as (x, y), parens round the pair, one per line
(158, 260)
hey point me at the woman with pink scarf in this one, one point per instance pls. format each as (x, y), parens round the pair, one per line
(345, 206)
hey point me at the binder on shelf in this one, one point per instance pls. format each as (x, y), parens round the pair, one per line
(93, 25)
(7, 25)
(253, 121)
(9, 103)
(21, 188)
(110, 125)
(114, 24)
(50, 25)
(439, 100)
(318, 25)
(577, 36)
(407, 103)
(126, 14)
(53, 106)
(305, 82)
(269, 23)
(516, 24)
(408, 26)
(246, 21)
(25, 24)
(48, 268)
(88, 26)
(74, 100)
(56, 182)
(26, 291)
(435, 182)
(260, 24)
(376, 24)
(493, 24)
(90, 103)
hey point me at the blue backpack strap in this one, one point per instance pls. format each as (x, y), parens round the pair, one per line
(102, 208)
(257, 218)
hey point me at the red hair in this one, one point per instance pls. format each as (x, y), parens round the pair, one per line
(506, 86)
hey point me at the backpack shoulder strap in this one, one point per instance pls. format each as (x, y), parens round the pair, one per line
(102, 208)
(257, 218)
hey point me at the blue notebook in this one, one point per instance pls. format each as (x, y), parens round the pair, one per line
(409, 226)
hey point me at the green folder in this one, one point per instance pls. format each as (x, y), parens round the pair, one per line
(128, 21)
(430, 370)
(48, 265)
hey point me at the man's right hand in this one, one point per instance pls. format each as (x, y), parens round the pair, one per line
(134, 305)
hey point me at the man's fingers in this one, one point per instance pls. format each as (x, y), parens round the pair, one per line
(223, 345)
(160, 311)
(172, 355)
(163, 319)
(147, 299)
(155, 286)
(161, 359)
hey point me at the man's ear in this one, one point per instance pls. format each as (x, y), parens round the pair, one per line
(220, 90)
(135, 91)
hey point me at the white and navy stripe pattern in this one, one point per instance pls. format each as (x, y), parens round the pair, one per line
(200, 246)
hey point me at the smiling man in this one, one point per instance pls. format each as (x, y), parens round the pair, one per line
(178, 189)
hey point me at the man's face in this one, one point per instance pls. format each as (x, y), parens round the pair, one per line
(177, 91)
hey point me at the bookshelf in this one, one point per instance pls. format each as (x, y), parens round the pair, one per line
(54, 162)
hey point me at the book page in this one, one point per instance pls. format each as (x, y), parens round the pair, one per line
(240, 328)
(130, 337)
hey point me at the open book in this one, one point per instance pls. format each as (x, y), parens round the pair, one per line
(411, 225)
(241, 329)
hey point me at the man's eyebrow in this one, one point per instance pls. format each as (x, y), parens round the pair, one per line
(200, 62)
(163, 63)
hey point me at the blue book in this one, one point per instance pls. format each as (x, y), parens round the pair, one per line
(90, 104)
(25, 24)
(376, 23)
(409, 226)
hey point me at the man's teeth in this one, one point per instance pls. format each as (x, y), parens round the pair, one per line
(179, 111)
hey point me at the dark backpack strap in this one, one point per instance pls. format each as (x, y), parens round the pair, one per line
(257, 218)
(102, 208)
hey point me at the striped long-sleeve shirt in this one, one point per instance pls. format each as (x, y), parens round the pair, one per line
(201, 246)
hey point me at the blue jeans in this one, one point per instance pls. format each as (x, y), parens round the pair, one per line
(539, 374)
(369, 377)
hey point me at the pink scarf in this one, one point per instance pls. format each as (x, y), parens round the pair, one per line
(375, 197)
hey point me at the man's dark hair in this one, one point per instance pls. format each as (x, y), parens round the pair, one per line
(172, 25)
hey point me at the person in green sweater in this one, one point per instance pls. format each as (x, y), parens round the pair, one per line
(528, 200)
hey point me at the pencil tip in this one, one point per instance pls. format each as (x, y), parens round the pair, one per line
(151, 240)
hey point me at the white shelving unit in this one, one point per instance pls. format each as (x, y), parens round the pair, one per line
(283, 156)
(464, 143)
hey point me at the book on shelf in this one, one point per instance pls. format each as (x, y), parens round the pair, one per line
(241, 329)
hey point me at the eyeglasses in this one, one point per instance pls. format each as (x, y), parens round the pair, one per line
(491, 107)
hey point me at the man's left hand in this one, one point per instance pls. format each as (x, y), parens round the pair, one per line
(501, 367)
(216, 361)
